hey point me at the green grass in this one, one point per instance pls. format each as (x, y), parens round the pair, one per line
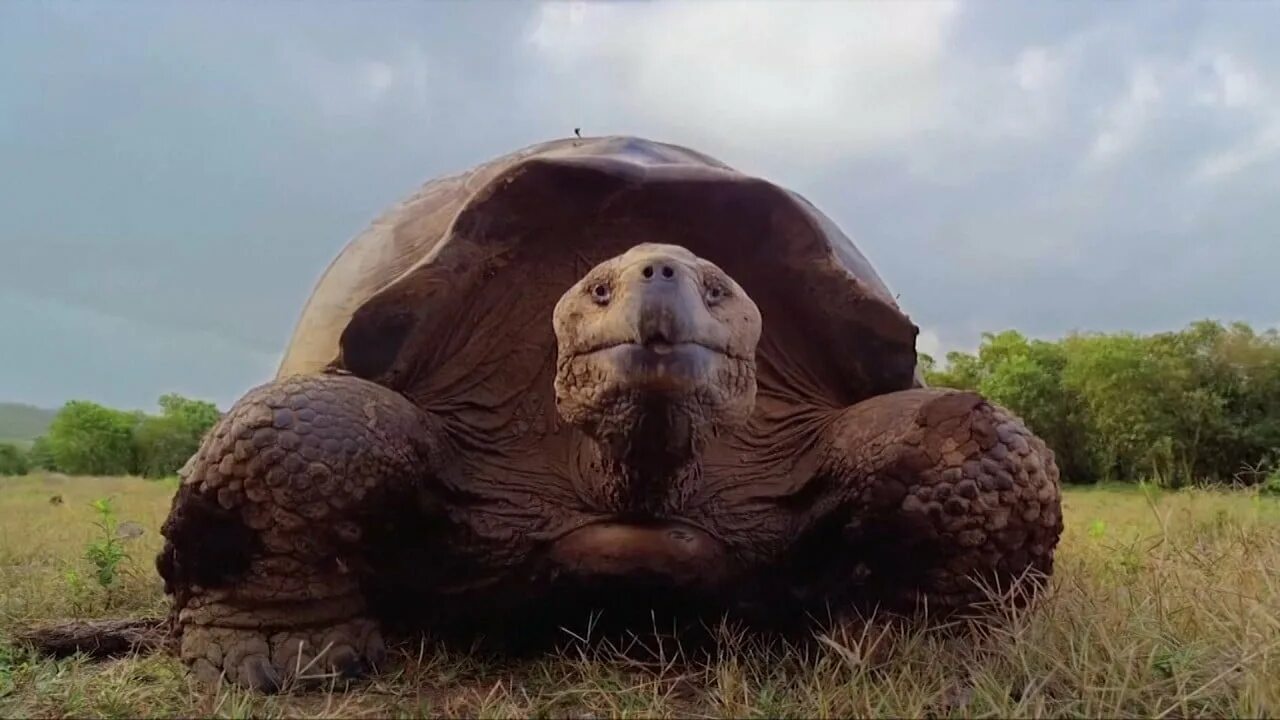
(1164, 605)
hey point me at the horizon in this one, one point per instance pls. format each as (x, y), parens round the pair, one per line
(941, 363)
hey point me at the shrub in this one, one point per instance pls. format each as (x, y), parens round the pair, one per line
(13, 460)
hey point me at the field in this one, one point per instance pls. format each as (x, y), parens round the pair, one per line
(1164, 605)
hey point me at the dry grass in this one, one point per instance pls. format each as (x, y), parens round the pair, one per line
(1164, 605)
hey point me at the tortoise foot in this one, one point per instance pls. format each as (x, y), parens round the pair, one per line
(274, 660)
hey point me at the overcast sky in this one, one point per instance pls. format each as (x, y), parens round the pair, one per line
(174, 177)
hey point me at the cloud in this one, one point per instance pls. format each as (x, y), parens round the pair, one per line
(379, 77)
(347, 89)
(1214, 90)
(1232, 85)
(1263, 145)
(1236, 87)
(1123, 122)
(928, 342)
(822, 79)
(1035, 69)
(1041, 166)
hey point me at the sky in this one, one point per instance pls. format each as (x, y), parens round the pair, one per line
(174, 177)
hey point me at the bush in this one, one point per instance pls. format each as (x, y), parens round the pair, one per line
(40, 457)
(89, 439)
(1271, 486)
(86, 438)
(13, 461)
(1178, 408)
(164, 443)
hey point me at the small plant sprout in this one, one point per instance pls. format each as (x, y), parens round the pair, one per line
(107, 551)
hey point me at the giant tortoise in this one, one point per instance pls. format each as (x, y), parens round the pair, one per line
(590, 375)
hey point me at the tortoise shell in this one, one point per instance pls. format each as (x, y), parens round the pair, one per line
(448, 296)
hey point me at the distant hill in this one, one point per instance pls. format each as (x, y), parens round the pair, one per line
(21, 424)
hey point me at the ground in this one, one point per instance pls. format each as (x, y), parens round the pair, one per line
(1164, 605)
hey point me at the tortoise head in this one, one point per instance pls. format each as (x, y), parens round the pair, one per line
(656, 350)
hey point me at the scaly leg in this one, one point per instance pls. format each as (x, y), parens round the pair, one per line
(935, 493)
(263, 541)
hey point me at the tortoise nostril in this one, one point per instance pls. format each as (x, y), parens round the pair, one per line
(661, 269)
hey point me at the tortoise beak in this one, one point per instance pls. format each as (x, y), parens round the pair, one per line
(661, 367)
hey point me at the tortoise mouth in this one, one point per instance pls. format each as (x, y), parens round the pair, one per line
(676, 552)
(659, 365)
(656, 345)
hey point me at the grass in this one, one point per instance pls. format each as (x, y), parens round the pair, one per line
(1164, 605)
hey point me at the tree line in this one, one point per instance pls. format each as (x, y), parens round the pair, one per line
(86, 438)
(1197, 405)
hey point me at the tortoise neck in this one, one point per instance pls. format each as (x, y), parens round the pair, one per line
(648, 468)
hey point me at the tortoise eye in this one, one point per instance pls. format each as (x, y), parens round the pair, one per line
(715, 293)
(601, 293)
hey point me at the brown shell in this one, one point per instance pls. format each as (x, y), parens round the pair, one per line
(463, 274)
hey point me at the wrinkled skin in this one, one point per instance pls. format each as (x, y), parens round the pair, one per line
(325, 507)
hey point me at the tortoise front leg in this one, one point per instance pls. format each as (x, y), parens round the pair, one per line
(264, 546)
(939, 493)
